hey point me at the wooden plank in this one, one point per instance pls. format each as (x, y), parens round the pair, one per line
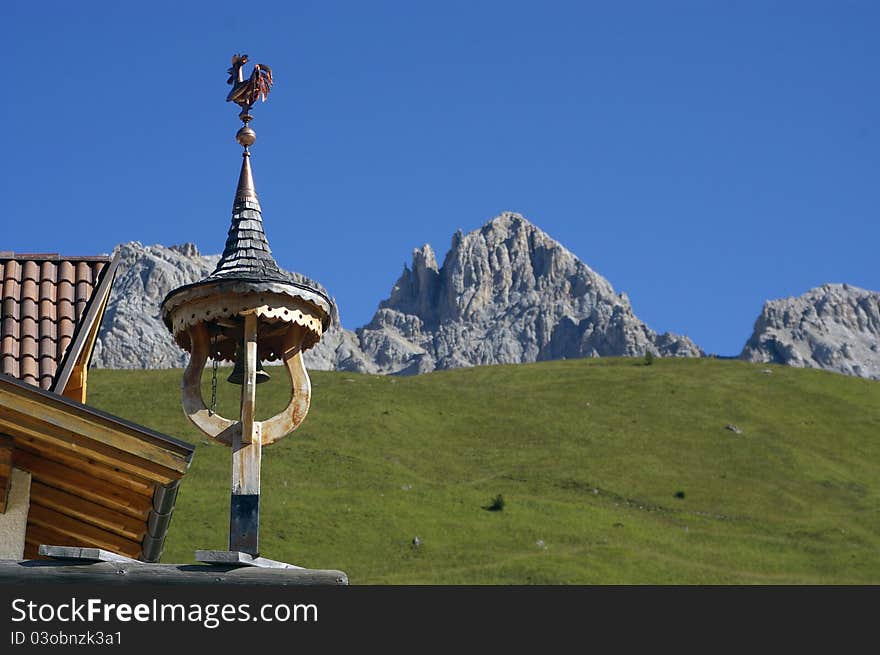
(244, 520)
(80, 553)
(6, 447)
(119, 573)
(78, 390)
(36, 535)
(246, 444)
(249, 384)
(90, 319)
(32, 550)
(75, 388)
(39, 536)
(18, 424)
(87, 465)
(84, 533)
(87, 511)
(80, 484)
(5, 487)
(80, 421)
(240, 559)
(30, 427)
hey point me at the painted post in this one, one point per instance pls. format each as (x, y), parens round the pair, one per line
(244, 518)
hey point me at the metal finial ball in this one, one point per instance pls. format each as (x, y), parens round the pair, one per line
(246, 136)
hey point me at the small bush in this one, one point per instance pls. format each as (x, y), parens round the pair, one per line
(649, 358)
(679, 495)
(496, 505)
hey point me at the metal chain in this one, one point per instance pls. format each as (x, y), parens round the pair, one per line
(214, 364)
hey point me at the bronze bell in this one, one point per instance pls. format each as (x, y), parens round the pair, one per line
(237, 375)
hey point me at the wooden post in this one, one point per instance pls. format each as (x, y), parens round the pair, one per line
(244, 518)
(6, 447)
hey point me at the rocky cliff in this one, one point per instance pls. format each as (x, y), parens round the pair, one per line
(506, 293)
(834, 327)
(133, 335)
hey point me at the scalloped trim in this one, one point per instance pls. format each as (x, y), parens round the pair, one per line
(267, 306)
(271, 296)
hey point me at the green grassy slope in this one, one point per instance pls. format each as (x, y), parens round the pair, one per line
(592, 458)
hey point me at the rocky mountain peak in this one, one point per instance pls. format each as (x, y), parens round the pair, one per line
(834, 327)
(132, 333)
(424, 259)
(187, 249)
(507, 292)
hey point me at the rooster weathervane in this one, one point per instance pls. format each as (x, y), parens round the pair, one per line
(246, 92)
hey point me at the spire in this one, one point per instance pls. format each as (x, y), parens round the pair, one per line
(246, 189)
(247, 255)
(246, 267)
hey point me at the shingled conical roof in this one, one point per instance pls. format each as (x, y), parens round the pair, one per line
(247, 278)
(246, 255)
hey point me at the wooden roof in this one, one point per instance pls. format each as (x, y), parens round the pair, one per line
(50, 312)
(96, 480)
(246, 254)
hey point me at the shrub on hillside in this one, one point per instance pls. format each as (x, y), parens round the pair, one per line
(496, 505)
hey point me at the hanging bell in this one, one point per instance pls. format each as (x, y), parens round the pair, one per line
(237, 375)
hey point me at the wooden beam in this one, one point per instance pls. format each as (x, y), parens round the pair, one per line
(91, 318)
(120, 573)
(51, 411)
(6, 447)
(82, 553)
(37, 535)
(32, 550)
(77, 387)
(87, 465)
(32, 428)
(98, 491)
(244, 517)
(85, 534)
(88, 512)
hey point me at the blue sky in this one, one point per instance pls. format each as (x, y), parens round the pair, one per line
(703, 156)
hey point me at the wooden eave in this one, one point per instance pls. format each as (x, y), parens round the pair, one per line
(73, 369)
(97, 480)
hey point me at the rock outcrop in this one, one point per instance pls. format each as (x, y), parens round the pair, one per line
(133, 335)
(835, 327)
(506, 293)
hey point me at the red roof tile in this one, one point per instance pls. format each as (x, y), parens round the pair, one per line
(45, 298)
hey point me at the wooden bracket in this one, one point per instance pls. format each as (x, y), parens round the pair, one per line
(223, 429)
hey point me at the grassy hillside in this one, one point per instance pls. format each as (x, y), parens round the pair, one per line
(611, 471)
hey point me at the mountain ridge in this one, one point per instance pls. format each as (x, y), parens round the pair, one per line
(506, 292)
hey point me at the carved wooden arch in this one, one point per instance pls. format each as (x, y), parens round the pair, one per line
(221, 429)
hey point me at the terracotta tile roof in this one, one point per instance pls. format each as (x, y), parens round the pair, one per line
(45, 300)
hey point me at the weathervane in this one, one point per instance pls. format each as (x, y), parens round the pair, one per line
(246, 92)
(247, 311)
